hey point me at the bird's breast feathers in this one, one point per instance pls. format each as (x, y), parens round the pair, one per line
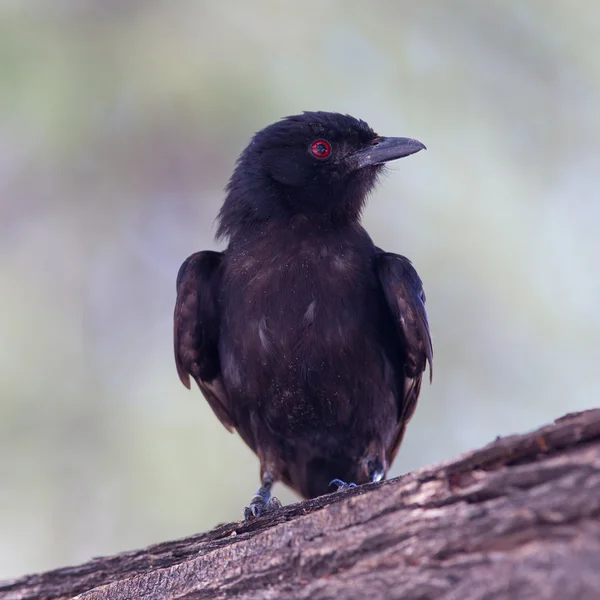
(294, 310)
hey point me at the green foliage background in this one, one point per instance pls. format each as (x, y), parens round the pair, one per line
(119, 125)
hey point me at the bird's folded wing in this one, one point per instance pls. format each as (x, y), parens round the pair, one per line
(405, 297)
(196, 330)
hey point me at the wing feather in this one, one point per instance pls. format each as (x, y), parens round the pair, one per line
(403, 291)
(196, 330)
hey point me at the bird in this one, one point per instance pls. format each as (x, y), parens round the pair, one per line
(304, 336)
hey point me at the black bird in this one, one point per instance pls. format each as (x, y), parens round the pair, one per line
(303, 336)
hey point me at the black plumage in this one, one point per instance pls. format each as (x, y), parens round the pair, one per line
(303, 336)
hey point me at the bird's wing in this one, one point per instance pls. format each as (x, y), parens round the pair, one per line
(403, 291)
(196, 330)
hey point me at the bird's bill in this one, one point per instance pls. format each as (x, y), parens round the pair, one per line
(385, 149)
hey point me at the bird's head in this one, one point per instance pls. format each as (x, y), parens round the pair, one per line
(318, 164)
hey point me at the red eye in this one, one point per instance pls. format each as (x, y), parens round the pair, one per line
(321, 149)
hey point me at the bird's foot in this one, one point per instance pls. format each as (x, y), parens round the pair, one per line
(259, 506)
(341, 485)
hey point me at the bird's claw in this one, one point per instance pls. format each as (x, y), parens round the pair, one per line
(259, 507)
(341, 485)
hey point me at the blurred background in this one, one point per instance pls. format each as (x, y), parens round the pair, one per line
(119, 125)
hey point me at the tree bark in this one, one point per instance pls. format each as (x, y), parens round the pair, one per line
(518, 518)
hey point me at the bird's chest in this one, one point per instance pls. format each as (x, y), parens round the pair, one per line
(281, 300)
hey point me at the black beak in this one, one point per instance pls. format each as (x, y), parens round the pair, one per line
(385, 149)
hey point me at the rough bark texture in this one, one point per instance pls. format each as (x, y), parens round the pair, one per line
(519, 518)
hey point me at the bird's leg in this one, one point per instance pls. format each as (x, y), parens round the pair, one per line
(262, 502)
(375, 471)
(341, 485)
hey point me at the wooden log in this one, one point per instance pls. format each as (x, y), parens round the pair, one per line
(519, 518)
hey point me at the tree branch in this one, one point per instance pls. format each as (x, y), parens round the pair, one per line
(518, 518)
